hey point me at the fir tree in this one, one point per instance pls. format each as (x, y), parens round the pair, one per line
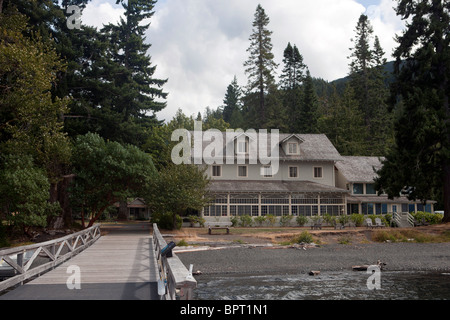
(420, 159)
(134, 89)
(260, 66)
(368, 79)
(308, 110)
(232, 100)
(362, 62)
(344, 124)
(293, 73)
(292, 78)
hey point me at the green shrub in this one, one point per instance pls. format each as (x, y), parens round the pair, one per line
(344, 219)
(357, 219)
(431, 218)
(246, 221)
(301, 220)
(304, 237)
(165, 221)
(234, 221)
(285, 220)
(345, 240)
(260, 220)
(271, 219)
(329, 219)
(196, 219)
(182, 243)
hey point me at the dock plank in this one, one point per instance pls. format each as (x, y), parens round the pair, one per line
(119, 266)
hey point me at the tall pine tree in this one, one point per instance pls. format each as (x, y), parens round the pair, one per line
(260, 66)
(421, 157)
(292, 78)
(368, 79)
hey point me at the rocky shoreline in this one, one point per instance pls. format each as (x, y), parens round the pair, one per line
(259, 259)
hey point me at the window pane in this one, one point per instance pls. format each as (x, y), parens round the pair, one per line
(242, 171)
(293, 172)
(318, 172)
(370, 188)
(293, 148)
(267, 172)
(217, 171)
(243, 147)
(358, 188)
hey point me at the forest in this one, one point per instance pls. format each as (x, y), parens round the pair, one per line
(79, 130)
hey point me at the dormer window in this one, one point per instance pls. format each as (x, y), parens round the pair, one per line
(292, 148)
(291, 145)
(242, 147)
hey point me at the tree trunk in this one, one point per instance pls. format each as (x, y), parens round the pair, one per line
(64, 200)
(123, 211)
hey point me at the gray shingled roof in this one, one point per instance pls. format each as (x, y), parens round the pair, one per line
(315, 147)
(237, 186)
(359, 169)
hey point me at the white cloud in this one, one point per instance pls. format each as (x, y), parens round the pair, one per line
(99, 12)
(386, 24)
(199, 45)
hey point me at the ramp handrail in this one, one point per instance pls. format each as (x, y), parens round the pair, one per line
(58, 251)
(177, 279)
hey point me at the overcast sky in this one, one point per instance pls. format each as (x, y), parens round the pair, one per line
(200, 45)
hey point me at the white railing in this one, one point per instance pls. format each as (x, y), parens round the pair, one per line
(19, 260)
(396, 218)
(176, 279)
(411, 219)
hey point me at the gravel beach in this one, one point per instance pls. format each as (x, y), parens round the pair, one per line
(331, 257)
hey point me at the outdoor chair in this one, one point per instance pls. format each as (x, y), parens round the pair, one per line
(378, 223)
(369, 223)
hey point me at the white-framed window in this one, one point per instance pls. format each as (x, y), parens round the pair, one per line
(242, 171)
(216, 171)
(293, 172)
(242, 147)
(267, 172)
(292, 148)
(318, 172)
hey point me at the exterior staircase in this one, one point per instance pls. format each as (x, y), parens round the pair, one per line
(403, 219)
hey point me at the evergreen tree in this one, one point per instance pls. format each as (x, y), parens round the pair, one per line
(420, 159)
(277, 117)
(368, 79)
(134, 90)
(260, 66)
(344, 124)
(361, 63)
(292, 78)
(381, 130)
(308, 110)
(293, 73)
(232, 100)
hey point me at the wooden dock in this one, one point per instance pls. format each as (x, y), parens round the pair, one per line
(121, 265)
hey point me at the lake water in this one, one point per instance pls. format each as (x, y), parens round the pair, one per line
(345, 285)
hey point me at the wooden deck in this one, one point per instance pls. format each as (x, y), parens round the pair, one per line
(120, 266)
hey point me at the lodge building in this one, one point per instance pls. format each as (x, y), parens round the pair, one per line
(310, 178)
